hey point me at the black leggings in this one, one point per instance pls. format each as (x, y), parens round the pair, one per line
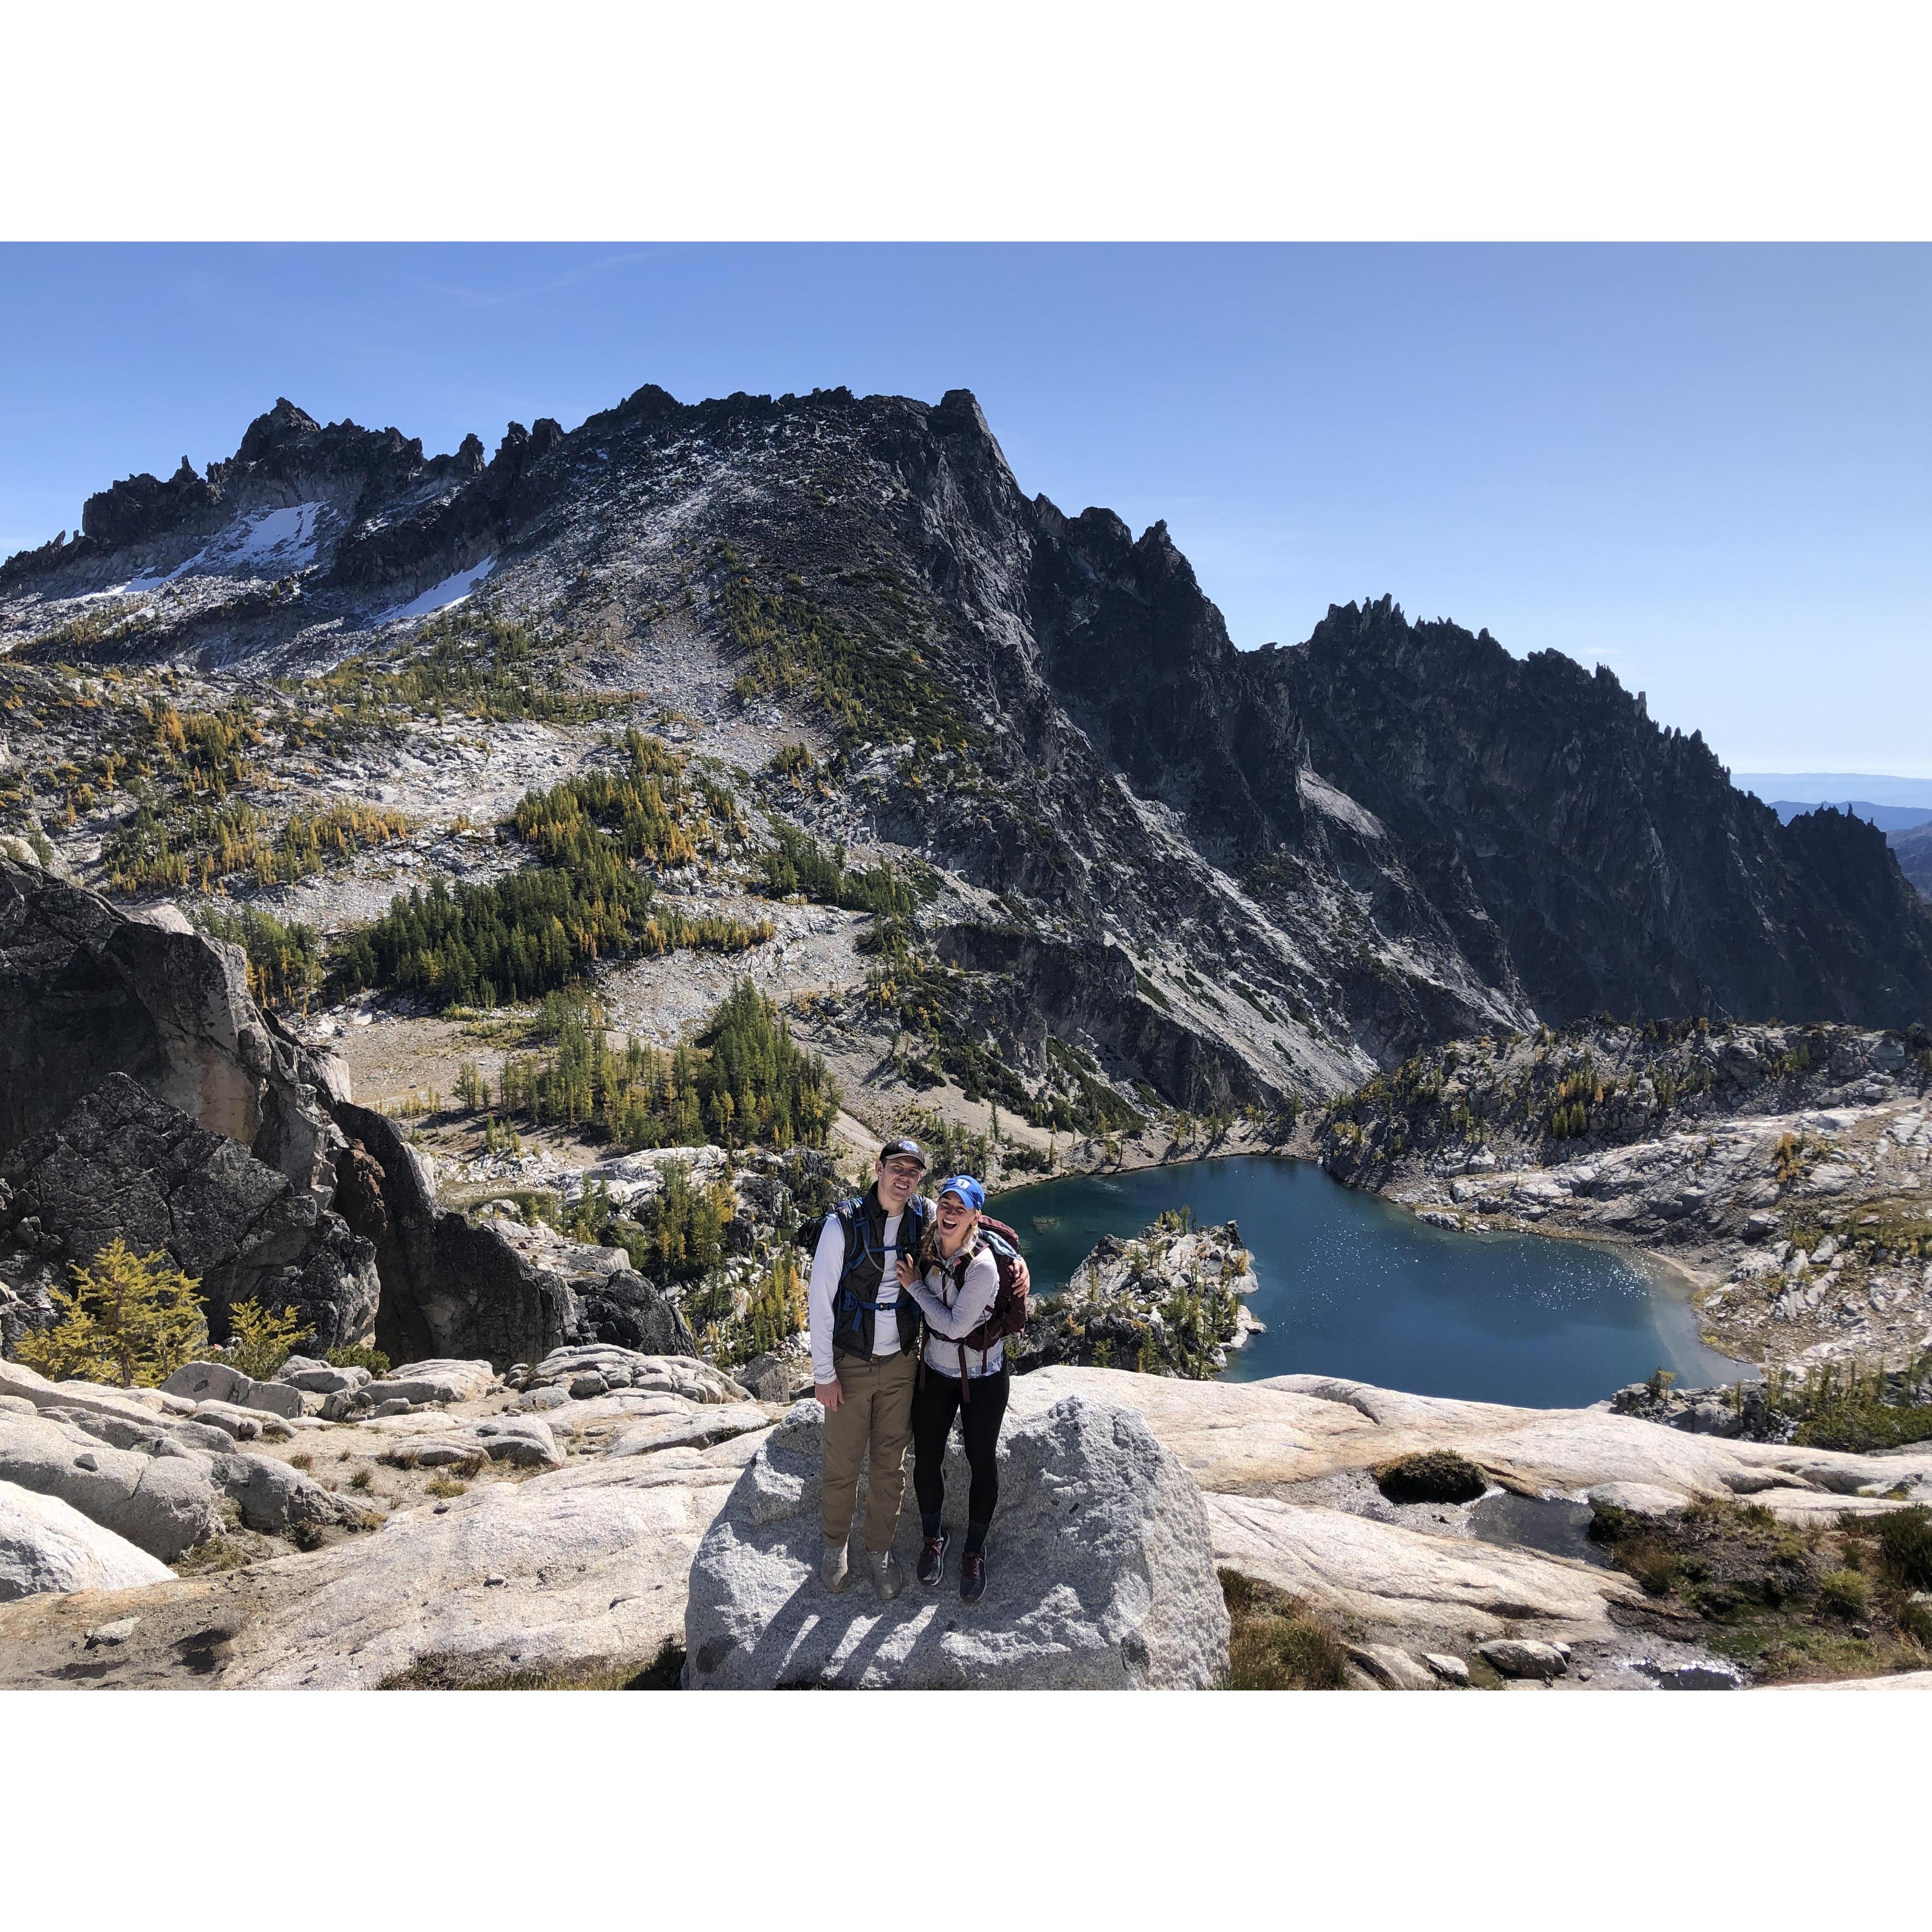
(933, 1409)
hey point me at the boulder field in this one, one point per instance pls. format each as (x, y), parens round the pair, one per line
(603, 1511)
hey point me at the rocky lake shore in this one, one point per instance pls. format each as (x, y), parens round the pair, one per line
(1786, 1172)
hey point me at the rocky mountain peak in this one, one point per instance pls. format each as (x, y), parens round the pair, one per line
(274, 429)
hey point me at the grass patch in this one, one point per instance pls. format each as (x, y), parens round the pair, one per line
(1274, 1644)
(444, 1672)
(234, 1551)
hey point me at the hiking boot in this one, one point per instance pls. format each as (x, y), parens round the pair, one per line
(932, 1558)
(834, 1571)
(888, 1575)
(972, 1576)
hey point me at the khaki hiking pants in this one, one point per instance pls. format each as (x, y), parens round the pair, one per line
(876, 1412)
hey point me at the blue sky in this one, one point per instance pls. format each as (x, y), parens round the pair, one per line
(1709, 468)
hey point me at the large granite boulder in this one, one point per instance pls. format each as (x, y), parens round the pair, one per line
(222, 1382)
(580, 1570)
(620, 1306)
(163, 1503)
(47, 1544)
(124, 1164)
(1101, 1573)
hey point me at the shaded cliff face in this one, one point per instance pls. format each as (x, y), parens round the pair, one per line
(1222, 878)
(1913, 850)
(1621, 869)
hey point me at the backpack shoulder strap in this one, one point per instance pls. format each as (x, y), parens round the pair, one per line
(849, 1211)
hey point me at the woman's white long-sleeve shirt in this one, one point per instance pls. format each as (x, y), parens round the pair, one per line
(952, 1312)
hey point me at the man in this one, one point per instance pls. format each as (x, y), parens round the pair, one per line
(865, 1361)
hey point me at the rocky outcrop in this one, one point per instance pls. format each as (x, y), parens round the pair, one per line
(1913, 851)
(574, 1565)
(47, 1545)
(1102, 1575)
(587, 1569)
(86, 991)
(1169, 1302)
(455, 1286)
(125, 1166)
(144, 1093)
(285, 459)
(164, 1504)
(582, 1373)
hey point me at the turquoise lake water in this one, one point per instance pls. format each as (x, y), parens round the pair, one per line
(1350, 1285)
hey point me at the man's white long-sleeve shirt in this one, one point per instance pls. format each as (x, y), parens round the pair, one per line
(828, 1263)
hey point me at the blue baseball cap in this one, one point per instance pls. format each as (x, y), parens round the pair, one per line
(968, 1189)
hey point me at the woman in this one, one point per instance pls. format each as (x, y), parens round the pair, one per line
(955, 1282)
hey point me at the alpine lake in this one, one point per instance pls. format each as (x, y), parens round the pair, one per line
(1350, 1285)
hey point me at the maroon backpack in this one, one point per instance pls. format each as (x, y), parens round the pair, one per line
(1008, 1315)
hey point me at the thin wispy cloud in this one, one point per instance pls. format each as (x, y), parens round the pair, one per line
(466, 297)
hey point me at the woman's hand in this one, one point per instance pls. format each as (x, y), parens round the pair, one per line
(908, 1271)
(829, 1394)
(1022, 1275)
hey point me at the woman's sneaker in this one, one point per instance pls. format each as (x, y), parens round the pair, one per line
(972, 1576)
(932, 1558)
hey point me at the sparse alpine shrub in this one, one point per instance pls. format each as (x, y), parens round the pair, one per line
(259, 1341)
(1845, 1593)
(1906, 1536)
(359, 1355)
(1430, 1476)
(132, 1319)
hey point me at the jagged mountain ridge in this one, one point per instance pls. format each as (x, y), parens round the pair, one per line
(1168, 850)
(1622, 868)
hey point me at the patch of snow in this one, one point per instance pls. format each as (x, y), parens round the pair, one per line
(277, 542)
(143, 585)
(440, 596)
(281, 534)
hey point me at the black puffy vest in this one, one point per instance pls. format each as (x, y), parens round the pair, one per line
(854, 1310)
